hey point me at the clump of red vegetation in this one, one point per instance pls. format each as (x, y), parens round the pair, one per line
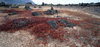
(15, 24)
(38, 25)
(20, 11)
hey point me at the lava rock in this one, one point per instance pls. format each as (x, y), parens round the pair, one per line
(56, 11)
(52, 8)
(50, 12)
(36, 14)
(96, 23)
(40, 7)
(34, 6)
(18, 23)
(14, 13)
(28, 8)
(6, 17)
(52, 24)
(68, 24)
(62, 21)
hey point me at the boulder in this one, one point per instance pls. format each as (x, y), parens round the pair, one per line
(52, 8)
(52, 24)
(19, 23)
(56, 11)
(50, 12)
(68, 24)
(14, 13)
(62, 21)
(27, 8)
(36, 13)
(40, 7)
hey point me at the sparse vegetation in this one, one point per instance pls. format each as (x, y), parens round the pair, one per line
(58, 26)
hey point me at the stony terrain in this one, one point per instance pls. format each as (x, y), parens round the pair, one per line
(35, 31)
(93, 10)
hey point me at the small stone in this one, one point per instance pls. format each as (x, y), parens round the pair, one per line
(34, 6)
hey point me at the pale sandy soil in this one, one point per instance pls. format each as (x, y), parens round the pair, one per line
(93, 11)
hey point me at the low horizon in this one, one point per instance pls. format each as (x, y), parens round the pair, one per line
(64, 1)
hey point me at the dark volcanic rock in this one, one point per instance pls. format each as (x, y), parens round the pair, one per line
(52, 24)
(56, 11)
(36, 14)
(15, 6)
(50, 12)
(68, 24)
(14, 13)
(18, 23)
(62, 21)
(34, 6)
(40, 6)
(28, 8)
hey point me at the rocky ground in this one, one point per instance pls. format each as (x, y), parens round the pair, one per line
(92, 10)
(86, 33)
